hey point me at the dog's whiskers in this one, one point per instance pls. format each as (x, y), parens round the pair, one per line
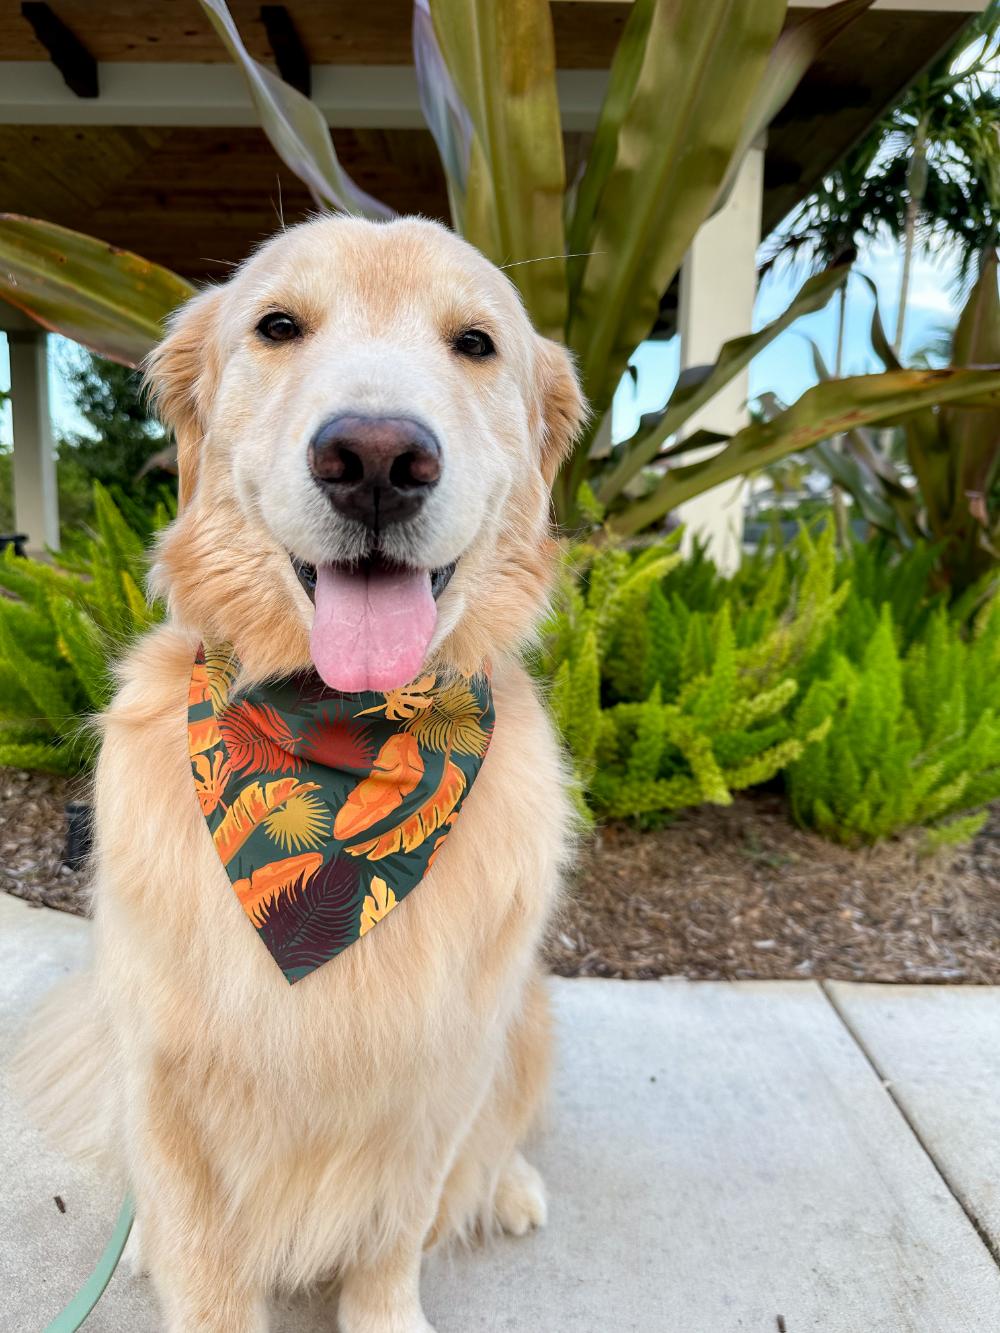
(542, 259)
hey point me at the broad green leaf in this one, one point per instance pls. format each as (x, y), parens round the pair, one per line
(296, 127)
(110, 300)
(856, 478)
(977, 337)
(974, 436)
(701, 63)
(446, 114)
(699, 385)
(862, 446)
(796, 49)
(954, 453)
(823, 411)
(929, 454)
(502, 59)
(624, 74)
(881, 341)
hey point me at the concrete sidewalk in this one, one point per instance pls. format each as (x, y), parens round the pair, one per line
(758, 1156)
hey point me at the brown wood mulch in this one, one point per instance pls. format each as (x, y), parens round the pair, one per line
(734, 892)
(740, 892)
(33, 839)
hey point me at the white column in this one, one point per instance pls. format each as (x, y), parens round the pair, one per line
(36, 503)
(718, 287)
(601, 445)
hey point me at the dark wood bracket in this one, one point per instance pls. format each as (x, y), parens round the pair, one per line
(69, 55)
(289, 54)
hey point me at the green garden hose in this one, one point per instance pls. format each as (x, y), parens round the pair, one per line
(80, 1307)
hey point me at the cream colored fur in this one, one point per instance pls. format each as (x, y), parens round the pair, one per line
(274, 1136)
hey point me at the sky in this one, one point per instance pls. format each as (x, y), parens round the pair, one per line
(784, 368)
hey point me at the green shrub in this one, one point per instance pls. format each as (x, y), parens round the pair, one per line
(846, 674)
(669, 693)
(61, 627)
(914, 736)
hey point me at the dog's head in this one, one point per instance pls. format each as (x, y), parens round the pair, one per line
(367, 427)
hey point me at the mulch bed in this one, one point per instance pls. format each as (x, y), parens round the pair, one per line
(734, 892)
(740, 892)
(33, 839)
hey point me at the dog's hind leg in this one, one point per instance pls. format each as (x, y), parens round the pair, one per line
(520, 1204)
(491, 1185)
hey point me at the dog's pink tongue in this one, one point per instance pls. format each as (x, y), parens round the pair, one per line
(371, 628)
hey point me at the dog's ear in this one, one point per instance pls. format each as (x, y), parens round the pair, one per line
(561, 405)
(182, 372)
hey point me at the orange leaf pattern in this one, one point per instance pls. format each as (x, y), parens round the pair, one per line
(326, 809)
(211, 773)
(250, 808)
(258, 739)
(203, 734)
(396, 771)
(267, 882)
(421, 824)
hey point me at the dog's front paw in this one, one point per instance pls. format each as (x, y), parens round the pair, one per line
(365, 1308)
(384, 1324)
(520, 1198)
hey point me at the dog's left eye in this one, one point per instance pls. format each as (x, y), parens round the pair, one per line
(278, 327)
(473, 342)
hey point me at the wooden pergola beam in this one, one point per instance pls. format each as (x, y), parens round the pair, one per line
(69, 55)
(290, 55)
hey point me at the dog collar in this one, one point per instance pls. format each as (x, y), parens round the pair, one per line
(326, 809)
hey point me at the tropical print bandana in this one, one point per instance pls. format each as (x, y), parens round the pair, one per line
(326, 809)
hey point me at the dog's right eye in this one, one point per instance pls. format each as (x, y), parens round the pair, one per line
(278, 327)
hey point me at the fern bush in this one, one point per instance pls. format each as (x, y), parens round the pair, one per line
(914, 736)
(61, 626)
(668, 694)
(846, 674)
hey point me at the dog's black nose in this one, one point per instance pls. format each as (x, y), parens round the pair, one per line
(377, 470)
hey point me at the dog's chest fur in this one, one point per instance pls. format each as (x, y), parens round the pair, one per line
(366, 1057)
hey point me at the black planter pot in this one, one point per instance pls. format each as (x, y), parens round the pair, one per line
(79, 833)
(15, 539)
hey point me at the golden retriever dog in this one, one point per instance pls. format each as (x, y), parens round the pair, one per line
(276, 1135)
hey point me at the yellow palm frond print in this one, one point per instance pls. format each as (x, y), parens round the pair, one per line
(377, 904)
(302, 822)
(220, 672)
(405, 702)
(452, 723)
(250, 808)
